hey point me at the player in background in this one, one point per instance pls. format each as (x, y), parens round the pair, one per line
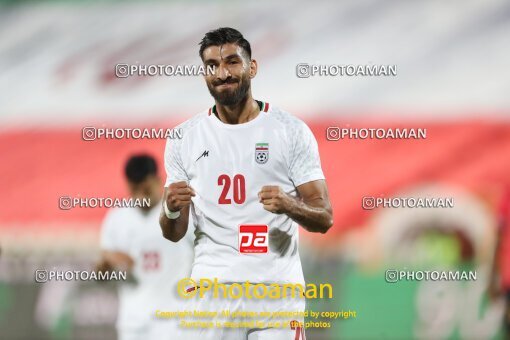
(499, 281)
(131, 240)
(248, 173)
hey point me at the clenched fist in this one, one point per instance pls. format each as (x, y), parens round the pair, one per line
(179, 196)
(275, 199)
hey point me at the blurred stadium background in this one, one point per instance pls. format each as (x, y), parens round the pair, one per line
(57, 63)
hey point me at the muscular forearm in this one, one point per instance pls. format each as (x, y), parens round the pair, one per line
(315, 217)
(175, 229)
(177, 198)
(311, 209)
(494, 286)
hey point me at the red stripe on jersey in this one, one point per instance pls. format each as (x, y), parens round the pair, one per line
(210, 110)
(266, 107)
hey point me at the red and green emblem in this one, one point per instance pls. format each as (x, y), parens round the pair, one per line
(261, 152)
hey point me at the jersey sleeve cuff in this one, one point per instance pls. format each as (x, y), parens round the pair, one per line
(309, 178)
(174, 180)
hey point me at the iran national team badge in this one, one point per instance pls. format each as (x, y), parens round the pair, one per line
(261, 152)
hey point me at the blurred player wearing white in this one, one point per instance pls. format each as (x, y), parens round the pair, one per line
(499, 283)
(131, 240)
(249, 173)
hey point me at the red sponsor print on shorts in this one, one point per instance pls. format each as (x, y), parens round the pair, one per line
(253, 238)
(300, 330)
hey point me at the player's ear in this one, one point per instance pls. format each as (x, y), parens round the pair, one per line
(253, 68)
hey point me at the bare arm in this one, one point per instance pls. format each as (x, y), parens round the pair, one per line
(495, 289)
(114, 260)
(494, 284)
(178, 198)
(312, 210)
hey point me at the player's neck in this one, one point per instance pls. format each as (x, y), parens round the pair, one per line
(153, 206)
(242, 112)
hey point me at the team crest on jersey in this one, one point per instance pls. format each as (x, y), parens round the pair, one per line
(261, 152)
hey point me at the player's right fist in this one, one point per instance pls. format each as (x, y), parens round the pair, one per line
(179, 196)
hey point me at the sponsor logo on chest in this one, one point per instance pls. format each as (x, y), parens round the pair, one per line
(253, 238)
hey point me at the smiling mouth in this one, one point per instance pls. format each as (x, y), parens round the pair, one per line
(226, 85)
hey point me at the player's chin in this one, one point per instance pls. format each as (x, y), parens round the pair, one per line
(227, 95)
(227, 98)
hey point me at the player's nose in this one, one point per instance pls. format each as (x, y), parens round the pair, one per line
(223, 73)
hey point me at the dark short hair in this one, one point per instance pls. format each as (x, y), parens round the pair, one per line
(139, 167)
(224, 35)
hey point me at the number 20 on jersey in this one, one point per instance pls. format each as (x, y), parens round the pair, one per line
(234, 189)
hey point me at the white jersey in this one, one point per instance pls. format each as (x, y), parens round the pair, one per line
(158, 264)
(237, 240)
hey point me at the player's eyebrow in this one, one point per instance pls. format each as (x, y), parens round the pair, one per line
(227, 58)
(211, 61)
(232, 56)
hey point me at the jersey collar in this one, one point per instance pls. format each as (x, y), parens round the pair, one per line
(263, 106)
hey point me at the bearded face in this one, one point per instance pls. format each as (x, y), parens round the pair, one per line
(231, 80)
(231, 90)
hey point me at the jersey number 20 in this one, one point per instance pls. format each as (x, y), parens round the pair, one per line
(239, 185)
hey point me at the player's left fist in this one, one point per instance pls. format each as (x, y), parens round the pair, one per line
(275, 199)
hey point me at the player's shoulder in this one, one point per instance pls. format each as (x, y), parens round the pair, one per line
(119, 216)
(190, 123)
(186, 129)
(286, 120)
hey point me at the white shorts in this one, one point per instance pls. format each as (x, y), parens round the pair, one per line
(156, 329)
(132, 334)
(289, 321)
